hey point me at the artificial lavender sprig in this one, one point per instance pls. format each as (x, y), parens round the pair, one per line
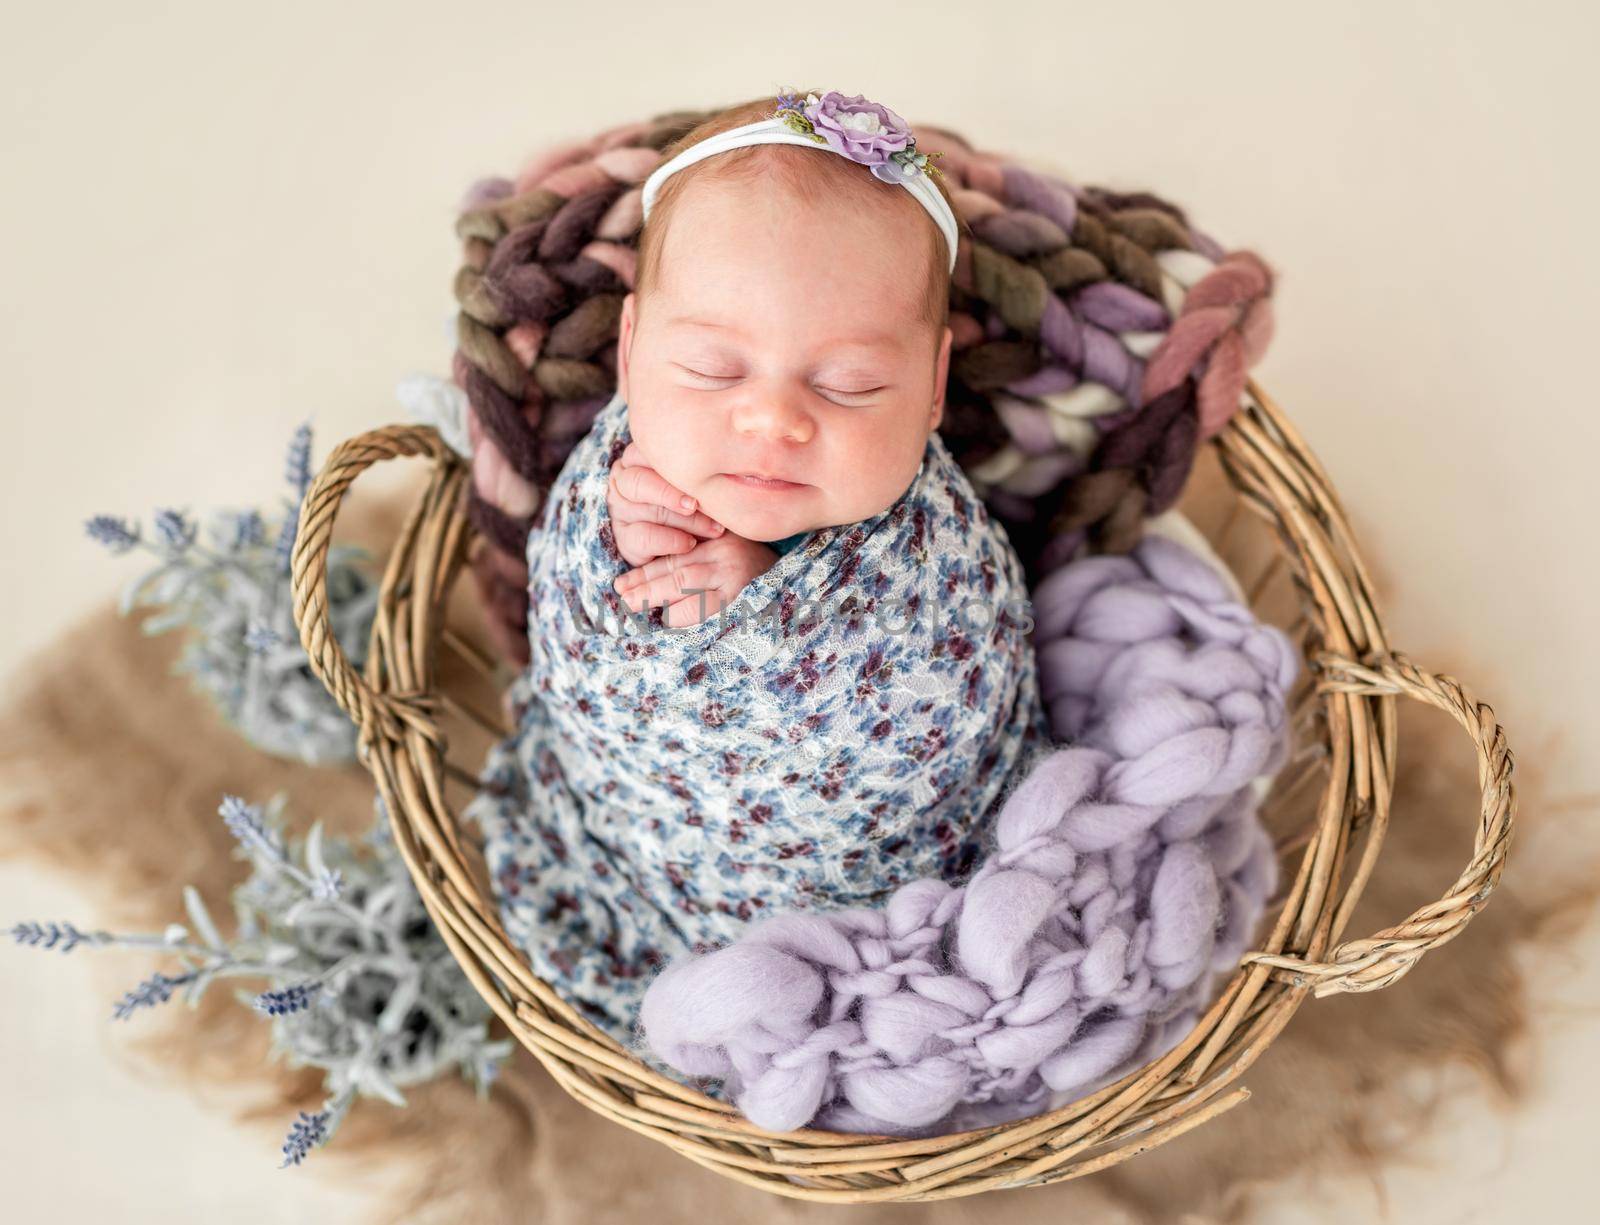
(290, 999)
(297, 471)
(244, 823)
(48, 935)
(234, 592)
(297, 464)
(157, 989)
(309, 1131)
(283, 551)
(116, 534)
(313, 1130)
(248, 530)
(322, 885)
(175, 531)
(357, 979)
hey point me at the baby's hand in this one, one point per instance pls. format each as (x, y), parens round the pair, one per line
(649, 517)
(713, 572)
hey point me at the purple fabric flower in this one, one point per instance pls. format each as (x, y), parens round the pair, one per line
(865, 132)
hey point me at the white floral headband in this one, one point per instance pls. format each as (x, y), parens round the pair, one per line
(865, 132)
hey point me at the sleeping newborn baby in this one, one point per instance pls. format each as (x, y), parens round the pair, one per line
(779, 650)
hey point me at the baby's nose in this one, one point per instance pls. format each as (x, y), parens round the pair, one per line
(774, 417)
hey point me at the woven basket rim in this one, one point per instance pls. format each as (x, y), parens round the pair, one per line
(1349, 695)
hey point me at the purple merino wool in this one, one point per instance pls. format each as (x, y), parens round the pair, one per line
(1127, 868)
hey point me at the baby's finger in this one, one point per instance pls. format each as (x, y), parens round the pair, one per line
(632, 457)
(693, 609)
(628, 510)
(640, 543)
(655, 584)
(661, 567)
(638, 483)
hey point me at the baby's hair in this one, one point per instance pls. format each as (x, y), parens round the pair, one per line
(807, 178)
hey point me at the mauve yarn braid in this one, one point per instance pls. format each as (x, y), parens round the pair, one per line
(1099, 337)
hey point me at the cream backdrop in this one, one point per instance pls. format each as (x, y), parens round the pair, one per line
(220, 219)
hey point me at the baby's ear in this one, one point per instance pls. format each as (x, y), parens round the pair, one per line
(941, 378)
(625, 328)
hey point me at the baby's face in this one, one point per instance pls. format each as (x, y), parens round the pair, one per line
(783, 341)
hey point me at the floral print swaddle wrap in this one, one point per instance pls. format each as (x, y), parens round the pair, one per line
(847, 725)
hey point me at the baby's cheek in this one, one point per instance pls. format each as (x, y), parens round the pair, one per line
(672, 453)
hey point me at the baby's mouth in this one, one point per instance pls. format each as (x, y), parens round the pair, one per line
(751, 481)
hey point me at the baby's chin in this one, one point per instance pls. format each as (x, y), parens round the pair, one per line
(758, 514)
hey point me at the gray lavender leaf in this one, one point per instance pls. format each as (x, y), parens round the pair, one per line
(245, 652)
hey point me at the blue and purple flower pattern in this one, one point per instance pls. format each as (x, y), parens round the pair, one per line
(849, 725)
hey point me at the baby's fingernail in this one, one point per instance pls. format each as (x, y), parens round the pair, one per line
(688, 503)
(716, 529)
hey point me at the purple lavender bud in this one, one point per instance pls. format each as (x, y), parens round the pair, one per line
(309, 1131)
(290, 999)
(244, 823)
(47, 935)
(116, 534)
(297, 467)
(174, 529)
(157, 989)
(286, 534)
(247, 531)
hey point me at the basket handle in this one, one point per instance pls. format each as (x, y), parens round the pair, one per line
(1367, 965)
(387, 713)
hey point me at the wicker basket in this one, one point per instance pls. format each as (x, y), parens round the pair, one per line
(418, 740)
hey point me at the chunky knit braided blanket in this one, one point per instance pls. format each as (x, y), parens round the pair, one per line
(1099, 337)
